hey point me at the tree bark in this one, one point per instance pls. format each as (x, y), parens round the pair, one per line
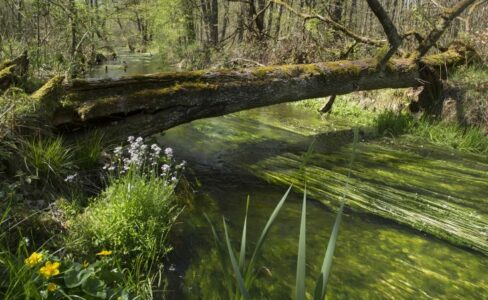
(150, 104)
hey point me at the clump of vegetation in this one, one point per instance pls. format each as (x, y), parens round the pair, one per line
(464, 138)
(391, 123)
(43, 275)
(134, 214)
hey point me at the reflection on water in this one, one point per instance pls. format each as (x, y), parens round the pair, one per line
(128, 64)
(375, 258)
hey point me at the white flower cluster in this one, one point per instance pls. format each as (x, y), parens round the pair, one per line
(138, 156)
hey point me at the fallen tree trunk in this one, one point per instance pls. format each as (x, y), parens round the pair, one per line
(148, 104)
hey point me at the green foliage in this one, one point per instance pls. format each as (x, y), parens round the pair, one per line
(467, 138)
(87, 151)
(45, 276)
(391, 123)
(463, 138)
(48, 159)
(132, 216)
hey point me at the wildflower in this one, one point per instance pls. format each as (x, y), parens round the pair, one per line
(165, 168)
(174, 179)
(52, 287)
(130, 139)
(181, 165)
(169, 152)
(104, 253)
(70, 178)
(33, 259)
(139, 140)
(155, 148)
(118, 151)
(50, 269)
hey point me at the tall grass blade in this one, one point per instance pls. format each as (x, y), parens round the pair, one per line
(329, 255)
(264, 233)
(235, 266)
(242, 254)
(300, 281)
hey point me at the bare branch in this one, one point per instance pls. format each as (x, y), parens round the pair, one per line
(391, 32)
(336, 26)
(441, 25)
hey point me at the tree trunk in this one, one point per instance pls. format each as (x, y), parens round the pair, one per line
(146, 105)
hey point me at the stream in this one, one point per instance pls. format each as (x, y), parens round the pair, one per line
(415, 227)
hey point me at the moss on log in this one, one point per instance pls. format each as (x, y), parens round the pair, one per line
(149, 104)
(49, 95)
(7, 77)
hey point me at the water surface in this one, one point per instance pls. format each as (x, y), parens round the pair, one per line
(258, 153)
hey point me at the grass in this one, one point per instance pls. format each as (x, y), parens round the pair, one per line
(468, 139)
(391, 123)
(463, 138)
(49, 160)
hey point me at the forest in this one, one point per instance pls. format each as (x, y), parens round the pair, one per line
(243, 149)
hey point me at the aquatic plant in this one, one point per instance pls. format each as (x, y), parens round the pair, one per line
(245, 274)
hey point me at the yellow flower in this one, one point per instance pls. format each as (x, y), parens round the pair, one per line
(52, 287)
(85, 264)
(104, 253)
(33, 259)
(50, 269)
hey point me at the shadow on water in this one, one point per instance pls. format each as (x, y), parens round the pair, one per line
(426, 188)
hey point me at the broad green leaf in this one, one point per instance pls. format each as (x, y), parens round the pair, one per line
(74, 278)
(94, 287)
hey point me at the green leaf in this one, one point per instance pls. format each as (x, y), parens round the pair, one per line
(95, 287)
(74, 278)
(264, 233)
(300, 280)
(329, 255)
(240, 281)
(111, 276)
(242, 254)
